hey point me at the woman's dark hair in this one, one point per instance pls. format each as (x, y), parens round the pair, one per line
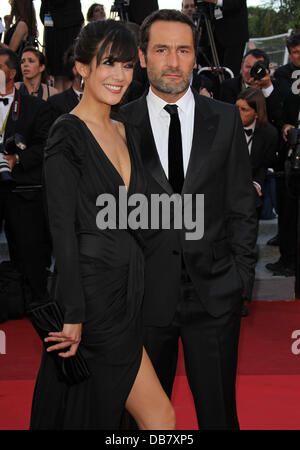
(90, 13)
(69, 63)
(96, 37)
(24, 10)
(165, 15)
(42, 60)
(256, 100)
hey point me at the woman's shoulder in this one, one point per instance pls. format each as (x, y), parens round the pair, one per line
(48, 89)
(21, 27)
(66, 137)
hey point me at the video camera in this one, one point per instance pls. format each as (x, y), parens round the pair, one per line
(293, 139)
(120, 8)
(203, 8)
(12, 146)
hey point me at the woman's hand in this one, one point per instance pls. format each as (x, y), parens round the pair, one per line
(70, 336)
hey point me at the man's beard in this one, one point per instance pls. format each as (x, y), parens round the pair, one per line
(169, 87)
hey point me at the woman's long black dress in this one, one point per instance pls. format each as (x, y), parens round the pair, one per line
(100, 282)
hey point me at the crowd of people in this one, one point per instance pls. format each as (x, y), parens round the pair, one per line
(119, 120)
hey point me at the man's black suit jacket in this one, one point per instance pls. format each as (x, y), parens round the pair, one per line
(231, 88)
(33, 123)
(221, 264)
(232, 29)
(283, 77)
(63, 103)
(263, 153)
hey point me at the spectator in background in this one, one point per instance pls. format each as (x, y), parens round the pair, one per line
(283, 74)
(33, 67)
(95, 12)
(24, 27)
(65, 101)
(231, 88)
(188, 8)
(23, 208)
(62, 21)
(261, 137)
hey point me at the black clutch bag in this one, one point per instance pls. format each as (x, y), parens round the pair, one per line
(49, 318)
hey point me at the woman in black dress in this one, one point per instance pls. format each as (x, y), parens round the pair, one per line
(100, 271)
(23, 14)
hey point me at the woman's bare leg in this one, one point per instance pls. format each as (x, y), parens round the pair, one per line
(147, 402)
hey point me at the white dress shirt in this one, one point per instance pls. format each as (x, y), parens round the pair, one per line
(4, 110)
(249, 139)
(160, 123)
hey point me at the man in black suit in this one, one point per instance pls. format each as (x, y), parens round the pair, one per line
(22, 208)
(284, 74)
(67, 100)
(286, 202)
(230, 31)
(231, 88)
(193, 288)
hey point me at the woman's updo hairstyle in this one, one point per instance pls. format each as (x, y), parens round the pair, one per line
(96, 37)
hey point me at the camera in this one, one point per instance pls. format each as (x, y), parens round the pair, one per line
(258, 70)
(13, 145)
(293, 139)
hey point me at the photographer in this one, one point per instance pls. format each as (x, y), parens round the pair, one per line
(62, 20)
(230, 31)
(286, 202)
(255, 73)
(283, 74)
(26, 119)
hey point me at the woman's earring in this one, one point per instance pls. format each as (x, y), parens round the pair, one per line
(82, 83)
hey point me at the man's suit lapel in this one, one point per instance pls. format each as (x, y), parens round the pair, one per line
(205, 127)
(72, 98)
(147, 145)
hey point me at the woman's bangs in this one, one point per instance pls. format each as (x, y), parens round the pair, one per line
(119, 46)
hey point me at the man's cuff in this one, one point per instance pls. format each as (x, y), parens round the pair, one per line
(257, 184)
(268, 91)
(220, 3)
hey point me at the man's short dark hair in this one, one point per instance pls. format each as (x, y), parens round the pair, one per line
(12, 60)
(165, 15)
(258, 54)
(293, 40)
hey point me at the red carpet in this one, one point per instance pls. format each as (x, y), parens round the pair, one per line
(268, 385)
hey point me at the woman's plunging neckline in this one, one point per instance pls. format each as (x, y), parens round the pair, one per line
(107, 158)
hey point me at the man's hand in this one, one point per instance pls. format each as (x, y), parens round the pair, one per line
(258, 189)
(204, 91)
(285, 130)
(12, 160)
(264, 83)
(70, 336)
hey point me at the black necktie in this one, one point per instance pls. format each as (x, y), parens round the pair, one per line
(248, 131)
(176, 174)
(4, 100)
